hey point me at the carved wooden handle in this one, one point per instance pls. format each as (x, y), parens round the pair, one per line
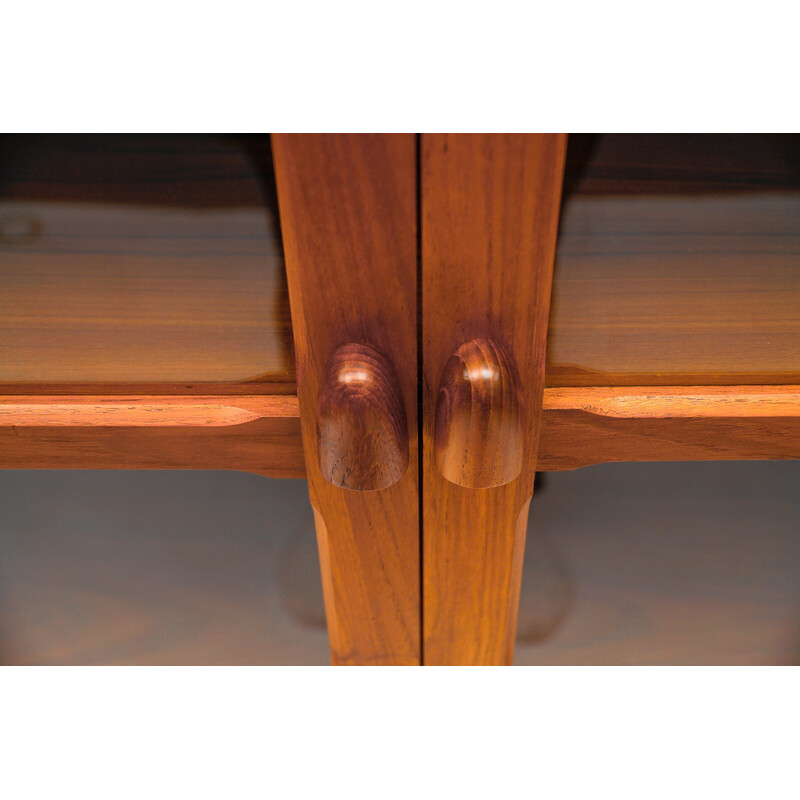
(479, 417)
(361, 421)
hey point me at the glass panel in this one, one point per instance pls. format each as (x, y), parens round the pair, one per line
(141, 258)
(678, 262)
(693, 563)
(122, 567)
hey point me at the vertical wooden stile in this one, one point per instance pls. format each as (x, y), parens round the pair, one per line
(348, 218)
(489, 222)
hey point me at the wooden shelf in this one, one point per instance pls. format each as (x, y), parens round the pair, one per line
(686, 271)
(141, 259)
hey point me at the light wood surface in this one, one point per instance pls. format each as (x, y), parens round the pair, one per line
(580, 426)
(584, 426)
(695, 284)
(348, 214)
(143, 412)
(489, 219)
(648, 402)
(140, 260)
(257, 433)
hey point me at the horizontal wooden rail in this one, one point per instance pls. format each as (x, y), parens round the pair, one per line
(594, 425)
(138, 412)
(258, 433)
(650, 402)
(261, 433)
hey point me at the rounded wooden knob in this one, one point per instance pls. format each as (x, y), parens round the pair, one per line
(361, 421)
(479, 417)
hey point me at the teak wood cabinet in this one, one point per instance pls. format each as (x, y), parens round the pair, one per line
(381, 315)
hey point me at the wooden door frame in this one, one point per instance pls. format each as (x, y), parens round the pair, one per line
(348, 220)
(490, 207)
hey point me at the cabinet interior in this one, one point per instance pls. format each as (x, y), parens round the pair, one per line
(678, 261)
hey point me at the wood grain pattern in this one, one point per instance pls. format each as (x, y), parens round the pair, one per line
(479, 418)
(148, 389)
(139, 412)
(583, 426)
(258, 433)
(348, 215)
(643, 402)
(489, 220)
(261, 433)
(694, 286)
(140, 259)
(361, 423)
(146, 305)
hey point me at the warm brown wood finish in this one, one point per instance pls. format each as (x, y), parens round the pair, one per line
(156, 389)
(250, 433)
(144, 324)
(141, 259)
(489, 219)
(348, 216)
(480, 423)
(648, 402)
(677, 262)
(143, 412)
(261, 434)
(583, 426)
(361, 422)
